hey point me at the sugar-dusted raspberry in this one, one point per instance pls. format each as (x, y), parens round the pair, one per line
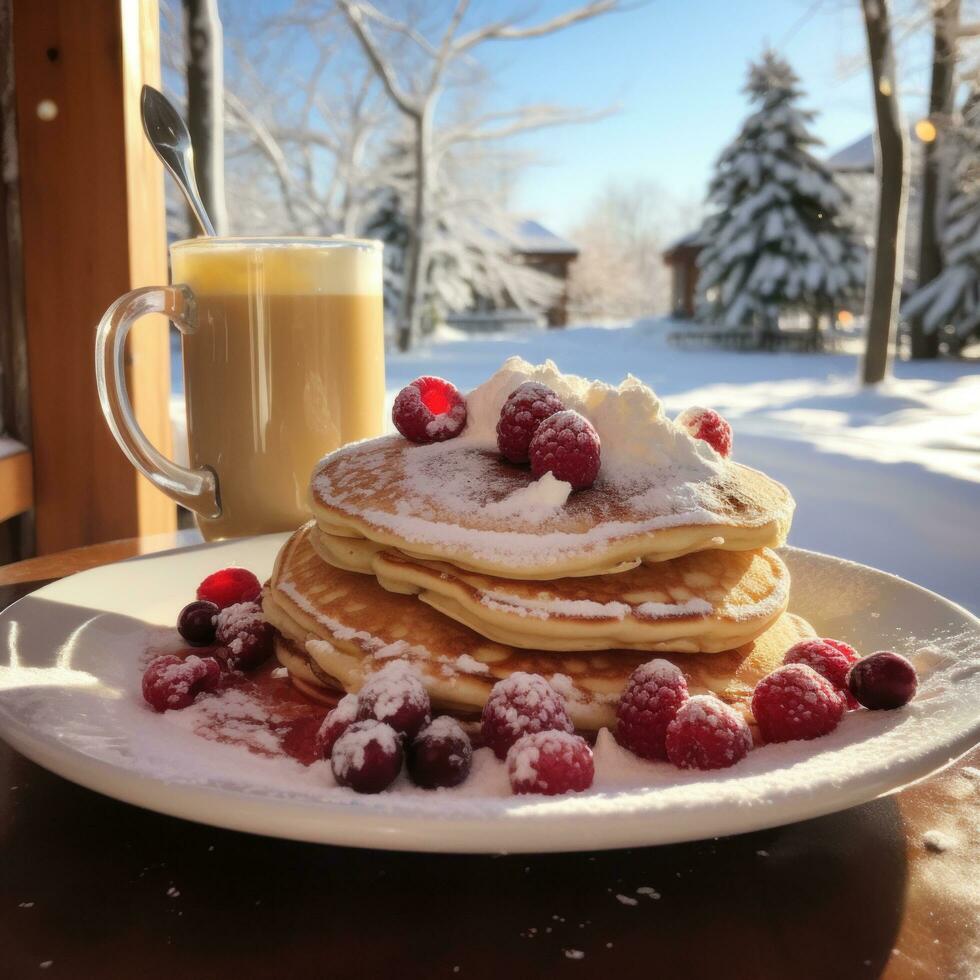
(883, 680)
(230, 586)
(367, 757)
(244, 631)
(829, 658)
(520, 704)
(195, 622)
(440, 755)
(170, 683)
(707, 424)
(653, 693)
(795, 702)
(707, 734)
(550, 763)
(567, 446)
(337, 722)
(526, 408)
(429, 410)
(397, 696)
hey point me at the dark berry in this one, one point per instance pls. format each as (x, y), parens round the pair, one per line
(396, 696)
(795, 702)
(196, 622)
(440, 755)
(707, 425)
(243, 630)
(653, 693)
(519, 704)
(550, 763)
(335, 724)
(525, 409)
(707, 734)
(170, 683)
(567, 446)
(367, 757)
(883, 680)
(429, 410)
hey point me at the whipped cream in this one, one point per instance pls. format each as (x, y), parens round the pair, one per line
(538, 499)
(633, 429)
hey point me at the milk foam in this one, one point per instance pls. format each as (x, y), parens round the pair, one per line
(633, 429)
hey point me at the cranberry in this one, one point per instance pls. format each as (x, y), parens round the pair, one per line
(367, 757)
(429, 410)
(795, 702)
(883, 680)
(243, 630)
(397, 696)
(550, 763)
(653, 693)
(196, 622)
(519, 704)
(525, 409)
(170, 683)
(440, 755)
(337, 722)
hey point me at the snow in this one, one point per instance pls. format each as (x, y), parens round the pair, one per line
(887, 476)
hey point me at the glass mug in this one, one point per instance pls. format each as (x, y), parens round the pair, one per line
(283, 353)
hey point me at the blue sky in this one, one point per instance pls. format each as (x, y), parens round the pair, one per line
(676, 68)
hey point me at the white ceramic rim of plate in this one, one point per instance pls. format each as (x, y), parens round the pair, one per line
(527, 825)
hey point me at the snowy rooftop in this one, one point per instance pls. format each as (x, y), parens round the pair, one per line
(859, 156)
(531, 236)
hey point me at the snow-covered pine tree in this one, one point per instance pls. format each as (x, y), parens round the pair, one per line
(951, 301)
(776, 239)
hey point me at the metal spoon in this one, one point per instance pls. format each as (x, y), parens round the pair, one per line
(168, 136)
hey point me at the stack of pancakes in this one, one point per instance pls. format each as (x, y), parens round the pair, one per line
(447, 556)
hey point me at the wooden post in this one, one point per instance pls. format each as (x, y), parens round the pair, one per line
(93, 221)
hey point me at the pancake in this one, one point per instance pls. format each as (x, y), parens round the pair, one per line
(699, 603)
(338, 627)
(461, 503)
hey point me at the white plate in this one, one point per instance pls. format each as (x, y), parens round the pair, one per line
(69, 700)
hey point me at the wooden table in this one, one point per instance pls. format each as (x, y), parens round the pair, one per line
(90, 887)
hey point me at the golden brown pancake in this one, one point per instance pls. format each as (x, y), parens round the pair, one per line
(448, 502)
(704, 602)
(338, 627)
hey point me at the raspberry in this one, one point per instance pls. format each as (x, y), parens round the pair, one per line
(520, 704)
(170, 683)
(195, 623)
(229, 586)
(648, 704)
(882, 681)
(525, 409)
(707, 734)
(795, 702)
(550, 763)
(829, 658)
(707, 424)
(566, 445)
(335, 724)
(429, 410)
(397, 696)
(367, 757)
(243, 630)
(440, 755)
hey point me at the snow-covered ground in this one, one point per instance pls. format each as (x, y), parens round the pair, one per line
(888, 476)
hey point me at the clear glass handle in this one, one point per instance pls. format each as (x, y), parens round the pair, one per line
(196, 489)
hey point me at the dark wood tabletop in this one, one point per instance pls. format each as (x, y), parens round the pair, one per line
(90, 887)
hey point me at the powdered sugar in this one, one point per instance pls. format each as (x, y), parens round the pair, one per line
(236, 621)
(539, 499)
